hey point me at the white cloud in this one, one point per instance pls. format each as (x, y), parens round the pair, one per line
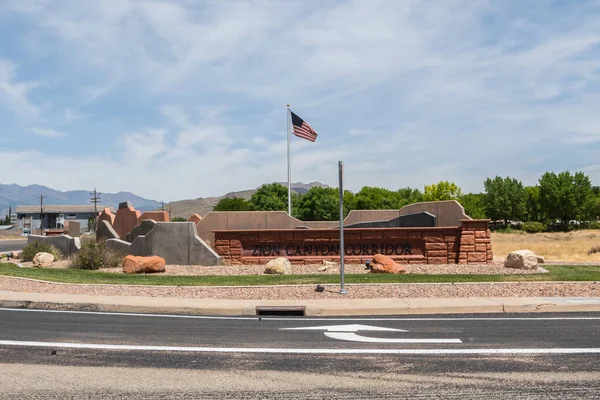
(47, 132)
(406, 92)
(14, 94)
(144, 147)
(359, 132)
(72, 115)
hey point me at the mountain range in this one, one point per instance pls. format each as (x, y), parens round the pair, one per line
(15, 195)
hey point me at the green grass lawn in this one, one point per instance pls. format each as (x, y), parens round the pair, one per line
(556, 273)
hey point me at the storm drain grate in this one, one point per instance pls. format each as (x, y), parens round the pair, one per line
(292, 311)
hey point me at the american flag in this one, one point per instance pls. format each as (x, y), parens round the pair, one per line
(302, 129)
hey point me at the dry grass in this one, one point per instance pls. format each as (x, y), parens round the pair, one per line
(556, 246)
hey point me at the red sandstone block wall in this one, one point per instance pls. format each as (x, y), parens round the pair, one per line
(475, 242)
(467, 244)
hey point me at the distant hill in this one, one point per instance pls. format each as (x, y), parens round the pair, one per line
(15, 195)
(203, 206)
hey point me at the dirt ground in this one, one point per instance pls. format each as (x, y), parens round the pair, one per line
(555, 246)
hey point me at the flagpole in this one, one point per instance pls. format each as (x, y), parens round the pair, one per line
(289, 164)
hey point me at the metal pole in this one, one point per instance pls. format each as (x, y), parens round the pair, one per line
(342, 249)
(41, 215)
(289, 164)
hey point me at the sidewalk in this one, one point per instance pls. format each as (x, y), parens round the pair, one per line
(328, 307)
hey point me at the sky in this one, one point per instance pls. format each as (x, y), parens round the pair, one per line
(184, 99)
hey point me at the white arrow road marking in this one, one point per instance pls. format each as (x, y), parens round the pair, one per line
(353, 337)
(347, 332)
(345, 328)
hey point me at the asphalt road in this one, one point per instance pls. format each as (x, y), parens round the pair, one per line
(9, 244)
(68, 355)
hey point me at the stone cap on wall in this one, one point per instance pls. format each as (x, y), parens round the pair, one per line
(475, 223)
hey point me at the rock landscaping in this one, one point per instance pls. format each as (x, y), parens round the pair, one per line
(43, 260)
(279, 266)
(143, 265)
(385, 265)
(522, 259)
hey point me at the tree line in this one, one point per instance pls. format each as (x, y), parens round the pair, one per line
(558, 200)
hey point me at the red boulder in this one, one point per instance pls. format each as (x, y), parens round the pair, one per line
(143, 265)
(384, 265)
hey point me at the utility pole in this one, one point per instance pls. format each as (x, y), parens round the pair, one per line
(162, 206)
(42, 197)
(95, 199)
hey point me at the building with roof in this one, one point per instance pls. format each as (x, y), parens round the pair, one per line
(55, 217)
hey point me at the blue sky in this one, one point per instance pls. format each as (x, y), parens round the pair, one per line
(185, 99)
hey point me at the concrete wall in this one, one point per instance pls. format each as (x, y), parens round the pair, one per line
(177, 242)
(448, 213)
(66, 244)
(420, 219)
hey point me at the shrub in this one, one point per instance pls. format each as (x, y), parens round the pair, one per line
(534, 227)
(31, 249)
(94, 255)
(594, 225)
(178, 219)
(507, 229)
(594, 250)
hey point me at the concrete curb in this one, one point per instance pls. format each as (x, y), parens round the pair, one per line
(330, 307)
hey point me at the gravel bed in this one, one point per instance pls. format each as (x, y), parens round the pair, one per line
(495, 268)
(520, 289)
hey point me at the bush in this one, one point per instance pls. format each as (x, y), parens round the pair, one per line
(94, 255)
(594, 250)
(534, 227)
(31, 249)
(506, 229)
(178, 219)
(594, 225)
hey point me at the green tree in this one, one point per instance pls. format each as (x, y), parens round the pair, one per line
(442, 190)
(270, 197)
(565, 197)
(349, 202)
(533, 209)
(232, 204)
(504, 199)
(374, 198)
(320, 204)
(178, 219)
(473, 204)
(409, 196)
(92, 224)
(594, 208)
